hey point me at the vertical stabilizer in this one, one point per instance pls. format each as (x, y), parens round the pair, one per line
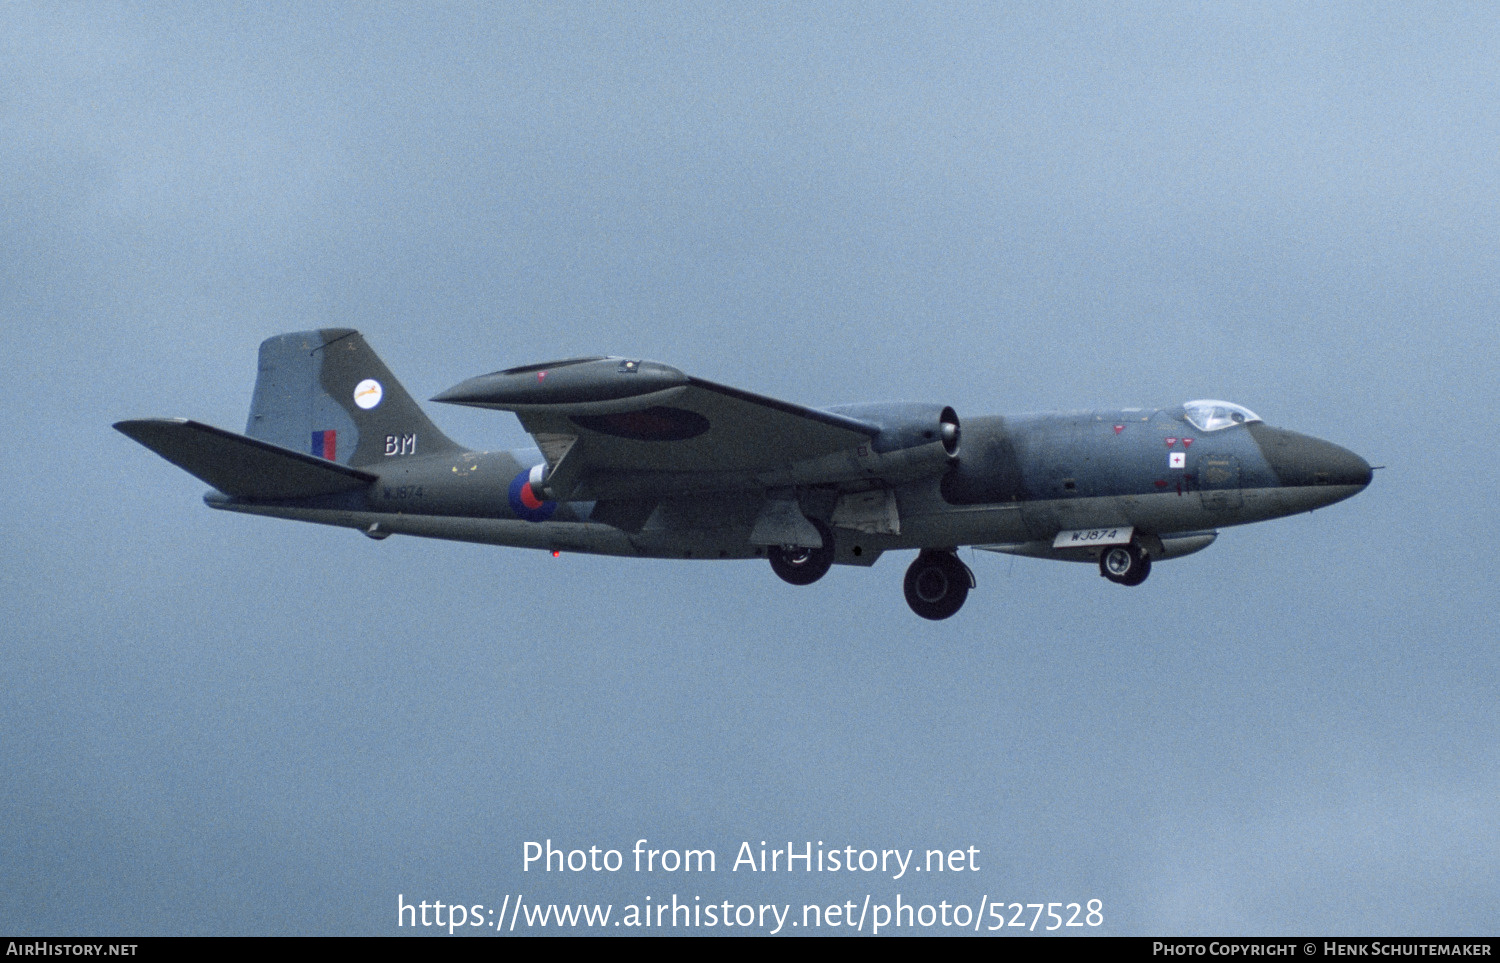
(325, 392)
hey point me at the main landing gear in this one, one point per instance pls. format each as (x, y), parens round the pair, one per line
(937, 584)
(800, 565)
(1125, 564)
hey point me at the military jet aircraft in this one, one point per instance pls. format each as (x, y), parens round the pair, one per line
(637, 458)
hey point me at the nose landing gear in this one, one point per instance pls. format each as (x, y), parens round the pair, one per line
(1125, 564)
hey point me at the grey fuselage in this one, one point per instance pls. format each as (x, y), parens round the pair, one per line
(1017, 482)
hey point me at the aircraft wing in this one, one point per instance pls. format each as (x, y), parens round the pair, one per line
(612, 428)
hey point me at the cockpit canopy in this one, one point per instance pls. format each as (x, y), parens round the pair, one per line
(1214, 415)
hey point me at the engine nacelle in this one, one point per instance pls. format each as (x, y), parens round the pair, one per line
(915, 440)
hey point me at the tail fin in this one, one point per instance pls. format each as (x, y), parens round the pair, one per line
(326, 393)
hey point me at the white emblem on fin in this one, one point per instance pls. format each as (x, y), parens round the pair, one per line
(367, 393)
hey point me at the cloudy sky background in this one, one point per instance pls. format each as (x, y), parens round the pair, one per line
(219, 724)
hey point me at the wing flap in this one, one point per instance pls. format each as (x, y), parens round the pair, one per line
(240, 466)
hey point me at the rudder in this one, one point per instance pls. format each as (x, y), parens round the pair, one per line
(326, 393)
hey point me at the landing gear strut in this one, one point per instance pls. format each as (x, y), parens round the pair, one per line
(1125, 564)
(937, 584)
(800, 565)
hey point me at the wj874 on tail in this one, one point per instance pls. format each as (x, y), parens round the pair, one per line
(637, 458)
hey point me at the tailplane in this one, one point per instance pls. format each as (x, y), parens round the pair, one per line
(240, 466)
(326, 393)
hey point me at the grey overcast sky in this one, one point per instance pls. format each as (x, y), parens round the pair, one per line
(220, 724)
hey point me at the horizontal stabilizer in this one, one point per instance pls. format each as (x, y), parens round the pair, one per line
(240, 466)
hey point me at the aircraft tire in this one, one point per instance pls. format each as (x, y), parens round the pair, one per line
(937, 584)
(1125, 564)
(803, 566)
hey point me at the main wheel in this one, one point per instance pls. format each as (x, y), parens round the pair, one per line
(1125, 564)
(937, 584)
(803, 566)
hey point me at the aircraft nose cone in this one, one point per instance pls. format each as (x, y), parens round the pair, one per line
(1347, 468)
(1301, 460)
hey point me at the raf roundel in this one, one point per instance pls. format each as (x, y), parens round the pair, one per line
(367, 393)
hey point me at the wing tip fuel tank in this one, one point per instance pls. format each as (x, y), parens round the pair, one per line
(576, 381)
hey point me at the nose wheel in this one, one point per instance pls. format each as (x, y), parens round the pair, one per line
(937, 584)
(1125, 564)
